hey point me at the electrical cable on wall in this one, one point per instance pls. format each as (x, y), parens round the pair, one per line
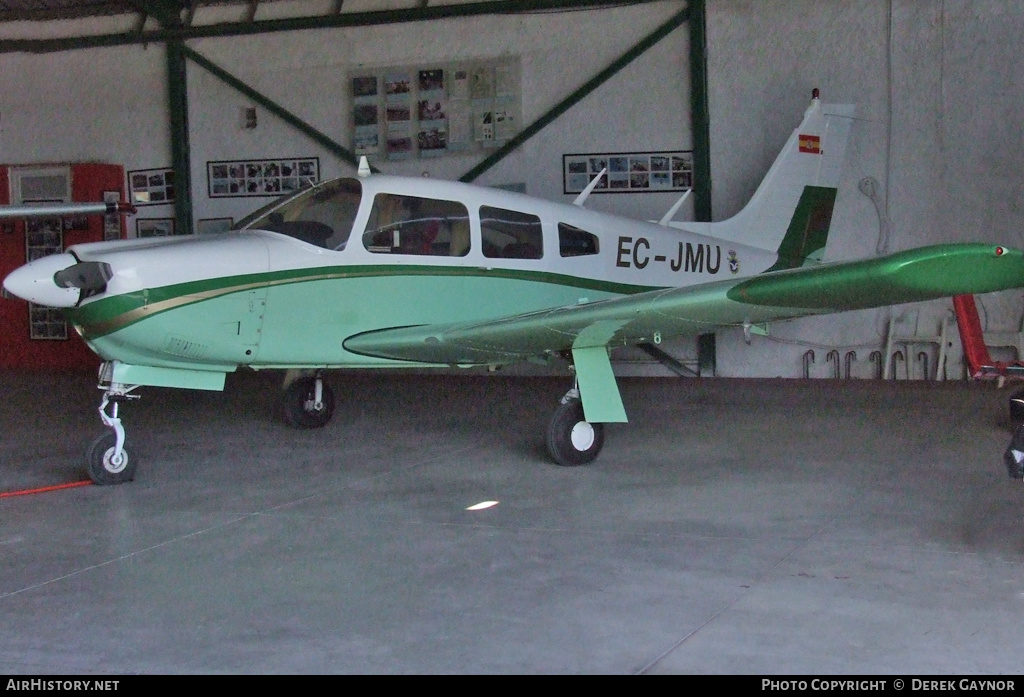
(869, 187)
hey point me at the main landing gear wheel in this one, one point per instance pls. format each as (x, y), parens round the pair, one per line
(104, 468)
(300, 406)
(572, 440)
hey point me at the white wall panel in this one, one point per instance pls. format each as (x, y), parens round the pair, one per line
(97, 104)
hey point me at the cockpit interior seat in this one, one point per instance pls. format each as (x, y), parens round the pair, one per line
(309, 231)
(520, 250)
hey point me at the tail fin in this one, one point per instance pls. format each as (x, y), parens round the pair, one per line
(791, 211)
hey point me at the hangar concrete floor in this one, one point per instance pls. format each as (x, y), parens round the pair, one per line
(734, 526)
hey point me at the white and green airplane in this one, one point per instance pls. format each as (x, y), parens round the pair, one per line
(380, 271)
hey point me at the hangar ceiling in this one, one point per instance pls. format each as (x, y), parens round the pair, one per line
(15, 10)
(154, 21)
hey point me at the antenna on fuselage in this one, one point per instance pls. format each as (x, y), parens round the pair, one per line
(364, 167)
(667, 218)
(590, 187)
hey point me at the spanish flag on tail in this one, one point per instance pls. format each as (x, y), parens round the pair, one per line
(810, 144)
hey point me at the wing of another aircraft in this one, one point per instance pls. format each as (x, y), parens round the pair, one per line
(920, 274)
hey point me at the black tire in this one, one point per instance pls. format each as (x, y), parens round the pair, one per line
(297, 407)
(1017, 408)
(98, 461)
(589, 440)
(1015, 467)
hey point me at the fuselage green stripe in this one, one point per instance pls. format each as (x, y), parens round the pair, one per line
(106, 315)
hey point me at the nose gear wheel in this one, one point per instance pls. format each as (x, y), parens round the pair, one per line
(308, 402)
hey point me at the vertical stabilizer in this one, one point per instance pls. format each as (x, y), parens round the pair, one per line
(791, 211)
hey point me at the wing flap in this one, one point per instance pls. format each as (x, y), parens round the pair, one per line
(920, 274)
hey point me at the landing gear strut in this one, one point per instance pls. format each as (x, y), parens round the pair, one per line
(308, 402)
(572, 440)
(107, 458)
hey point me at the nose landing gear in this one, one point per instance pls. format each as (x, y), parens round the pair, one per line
(107, 458)
(307, 402)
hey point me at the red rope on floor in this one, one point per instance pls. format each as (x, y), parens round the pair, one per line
(40, 490)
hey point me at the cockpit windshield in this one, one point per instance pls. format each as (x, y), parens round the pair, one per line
(322, 216)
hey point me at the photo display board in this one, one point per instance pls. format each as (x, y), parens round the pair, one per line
(629, 172)
(150, 187)
(235, 178)
(45, 236)
(432, 111)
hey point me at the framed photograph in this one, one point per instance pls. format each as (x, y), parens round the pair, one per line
(43, 236)
(151, 187)
(230, 179)
(154, 227)
(364, 86)
(208, 226)
(46, 323)
(76, 223)
(628, 172)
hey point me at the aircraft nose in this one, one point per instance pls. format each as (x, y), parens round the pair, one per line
(34, 282)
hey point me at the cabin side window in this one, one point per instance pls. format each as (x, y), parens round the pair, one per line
(510, 234)
(574, 242)
(420, 226)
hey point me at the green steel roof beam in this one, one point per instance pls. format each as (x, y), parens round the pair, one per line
(167, 12)
(625, 59)
(181, 161)
(700, 119)
(344, 19)
(271, 106)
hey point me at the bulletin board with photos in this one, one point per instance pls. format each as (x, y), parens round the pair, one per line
(629, 172)
(150, 187)
(236, 178)
(45, 236)
(425, 111)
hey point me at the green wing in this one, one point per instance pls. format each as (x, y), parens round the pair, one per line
(919, 274)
